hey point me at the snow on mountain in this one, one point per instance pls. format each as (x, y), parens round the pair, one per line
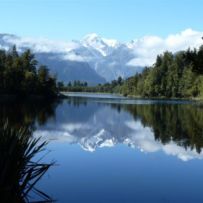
(110, 57)
(116, 64)
(97, 60)
(93, 59)
(102, 45)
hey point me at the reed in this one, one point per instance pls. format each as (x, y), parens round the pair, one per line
(18, 172)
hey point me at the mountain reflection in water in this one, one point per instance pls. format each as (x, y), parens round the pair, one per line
(111, 128)
(173, 128)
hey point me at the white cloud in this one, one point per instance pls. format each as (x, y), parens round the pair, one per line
(143, 139)
(42, 44)
(138, 137)
(71, 127)
(59, 135)
(147, 48)
(75, 57)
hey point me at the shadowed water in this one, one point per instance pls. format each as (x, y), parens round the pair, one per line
(19, 170)
(117, 150)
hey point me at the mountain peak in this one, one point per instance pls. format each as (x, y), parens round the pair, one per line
(93, 59)
(91, 37)
(102, 45)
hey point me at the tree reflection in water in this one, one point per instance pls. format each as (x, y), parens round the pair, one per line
(181, 123)
(177, 123)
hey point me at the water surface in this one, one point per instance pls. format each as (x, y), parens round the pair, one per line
(111, 151)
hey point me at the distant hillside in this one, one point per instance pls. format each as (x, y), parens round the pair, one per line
(98, 60)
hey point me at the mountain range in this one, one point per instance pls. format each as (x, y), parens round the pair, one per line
(98, 60)
(93, 59)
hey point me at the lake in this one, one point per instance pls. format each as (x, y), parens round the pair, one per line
(117, 150)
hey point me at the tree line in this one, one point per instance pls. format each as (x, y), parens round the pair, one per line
(79, 86)
(181, 124)
(20, 74)
(75, 86)
(178, 75)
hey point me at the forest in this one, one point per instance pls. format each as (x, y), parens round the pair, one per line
(178, 75)
(20, 75)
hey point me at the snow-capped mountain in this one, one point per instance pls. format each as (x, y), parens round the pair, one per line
(93, 59)
(102, 45)
(96, 59)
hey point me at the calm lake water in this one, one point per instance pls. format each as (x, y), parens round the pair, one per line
(116, 150)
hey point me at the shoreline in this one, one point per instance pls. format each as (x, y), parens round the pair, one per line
(62, 95)
(195, 99)
(15, 97)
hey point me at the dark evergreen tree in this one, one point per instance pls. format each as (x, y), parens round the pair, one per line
(20, 75)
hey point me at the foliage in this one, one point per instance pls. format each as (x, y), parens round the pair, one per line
(18, 172)
(178, 123)
(172, 76)
(18, 147)
(21, 75)
(78, 86)
(178, 75)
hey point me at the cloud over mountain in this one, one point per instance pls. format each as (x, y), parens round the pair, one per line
(106, 59)
(148, 47)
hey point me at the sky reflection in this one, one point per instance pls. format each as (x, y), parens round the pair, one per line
(95, 125)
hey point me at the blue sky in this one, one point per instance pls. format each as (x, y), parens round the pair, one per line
(120, 19)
